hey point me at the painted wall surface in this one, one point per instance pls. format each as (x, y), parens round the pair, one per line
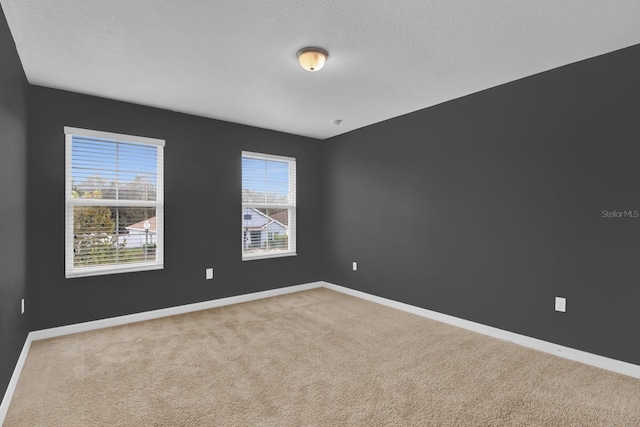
(489, 206)
(13, 204)
(202, 194)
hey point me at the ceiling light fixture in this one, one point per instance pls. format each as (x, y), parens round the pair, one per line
(312, 58)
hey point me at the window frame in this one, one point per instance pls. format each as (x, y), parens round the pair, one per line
(291, 208)
(70, 203)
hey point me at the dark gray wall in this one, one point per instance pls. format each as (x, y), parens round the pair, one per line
(202, 211)
(13, 207)
(489, 206)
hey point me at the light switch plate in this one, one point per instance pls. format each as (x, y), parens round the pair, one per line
(561, 304)
(209, 273)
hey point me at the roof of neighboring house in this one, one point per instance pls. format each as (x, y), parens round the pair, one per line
(139, 226)
(270, 220)
(282, 217)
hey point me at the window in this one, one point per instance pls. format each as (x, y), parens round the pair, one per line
(114, 203)
(268, 206)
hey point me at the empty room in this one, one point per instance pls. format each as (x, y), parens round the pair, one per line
(329, 213)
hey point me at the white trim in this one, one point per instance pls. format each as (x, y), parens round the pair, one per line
(68, 209)
(290, 207)
(263, 156)
(160, 207)
(164, 312)
(591, 359)
(13, 382)
(70, 270)
(267, 254)
(113, 269)
(119, 137)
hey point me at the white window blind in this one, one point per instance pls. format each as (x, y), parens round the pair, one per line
(268, 206)
(114, 203)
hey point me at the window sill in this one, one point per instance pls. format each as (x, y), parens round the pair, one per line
(102, 271)
(251, 257)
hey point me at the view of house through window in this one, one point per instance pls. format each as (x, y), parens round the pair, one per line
(268, 205)
(114, 203)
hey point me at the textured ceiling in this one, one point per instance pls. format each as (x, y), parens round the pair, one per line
(235, 61)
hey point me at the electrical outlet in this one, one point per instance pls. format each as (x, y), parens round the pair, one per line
(209, 275)
(355, 266)
(561, 304)
(22, 305)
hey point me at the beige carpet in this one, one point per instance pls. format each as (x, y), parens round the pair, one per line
(311, 358)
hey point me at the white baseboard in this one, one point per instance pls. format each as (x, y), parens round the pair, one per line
(534, 343)
(591, 359)
(164, 312)
(6, 400)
